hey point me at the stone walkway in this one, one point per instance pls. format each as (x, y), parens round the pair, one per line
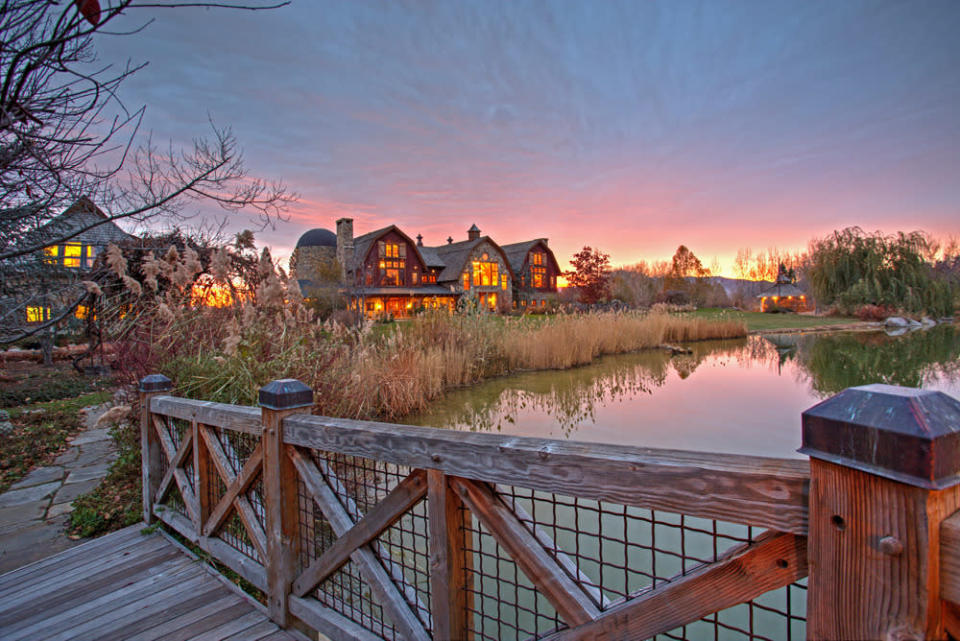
(34, 511)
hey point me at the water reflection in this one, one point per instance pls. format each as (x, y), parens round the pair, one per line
(741, 396)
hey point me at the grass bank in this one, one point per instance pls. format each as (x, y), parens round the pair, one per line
(759, 321)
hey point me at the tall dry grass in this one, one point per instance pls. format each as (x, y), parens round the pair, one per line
(226, 354)
(360, 374)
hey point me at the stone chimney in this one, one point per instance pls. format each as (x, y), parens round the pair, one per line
(345, 246)
(473, 233)
(449, 240)
(419, 240)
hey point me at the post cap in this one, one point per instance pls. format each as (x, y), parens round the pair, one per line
(901, 433)
(155, 383)
(285, 394)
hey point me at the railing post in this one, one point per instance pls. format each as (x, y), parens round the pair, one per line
(884, 473)
(278, 400)
(150, 386)
(450, 605)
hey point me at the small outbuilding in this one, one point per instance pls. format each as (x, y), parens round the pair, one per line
(783, 294)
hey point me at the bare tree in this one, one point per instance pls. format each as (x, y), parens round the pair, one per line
(66, 134)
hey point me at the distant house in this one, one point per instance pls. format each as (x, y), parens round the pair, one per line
(33, 296)
(386, 272)
(783, 294)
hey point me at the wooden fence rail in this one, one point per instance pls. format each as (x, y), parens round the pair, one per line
(365, 530)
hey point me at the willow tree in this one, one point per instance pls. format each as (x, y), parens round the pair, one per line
(851, 268)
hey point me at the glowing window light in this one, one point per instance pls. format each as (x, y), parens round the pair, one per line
(37, 314)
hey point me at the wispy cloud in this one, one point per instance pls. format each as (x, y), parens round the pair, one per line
(632, 126)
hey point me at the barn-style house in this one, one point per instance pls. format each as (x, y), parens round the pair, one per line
(386, 272)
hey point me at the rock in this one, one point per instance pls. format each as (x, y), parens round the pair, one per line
(29, 494)
(896, 321)
(926, 321)
(5, 425)
(39, 476)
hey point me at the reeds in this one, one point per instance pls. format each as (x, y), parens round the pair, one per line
(358, 374)
(227, 353)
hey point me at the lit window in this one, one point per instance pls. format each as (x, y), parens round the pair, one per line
(36, 314)
(393, 263)
(89, 255)
(50, 254)
(72, 253)
(539, 275)
(391, 278)
(485, 273)
(536, 258)
(82, 312)
(503, 282)
(466, 281)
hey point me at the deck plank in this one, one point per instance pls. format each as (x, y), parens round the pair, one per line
(74, 557)
(70, 617)
(127, 586)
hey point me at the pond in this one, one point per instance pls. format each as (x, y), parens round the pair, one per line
(742, 396)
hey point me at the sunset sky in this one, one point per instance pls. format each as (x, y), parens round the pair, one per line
(629, 126)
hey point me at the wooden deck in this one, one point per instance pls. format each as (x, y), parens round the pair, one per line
(129, 587)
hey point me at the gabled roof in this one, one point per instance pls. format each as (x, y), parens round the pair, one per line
(778, 289)
(455, 255)
(517, 252)
(362, 244)
(81, 214)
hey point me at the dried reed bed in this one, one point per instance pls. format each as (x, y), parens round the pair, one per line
(360, 374)
(227, 353)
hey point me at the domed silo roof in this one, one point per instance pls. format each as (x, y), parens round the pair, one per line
(318, 238)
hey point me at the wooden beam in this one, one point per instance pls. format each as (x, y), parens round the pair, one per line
(380, 582)
(330, 623)
(175, 456)
(773, 561)
(887, 534)
(236, 485)
(173, 464)
(238, 418)
(571, 603)
(239, 500)
(765, 492)
(203, 471)
(240, 563)
(387, 512)
(394, 569)
(278, 400)
(950, 559)
(449, 562)
(150, 460)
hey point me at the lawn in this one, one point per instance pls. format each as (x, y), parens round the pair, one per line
(757, 321)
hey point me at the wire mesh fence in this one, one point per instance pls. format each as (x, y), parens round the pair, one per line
(615, 553)
(402, 550)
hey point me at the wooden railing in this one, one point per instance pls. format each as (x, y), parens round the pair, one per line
(364, 530)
